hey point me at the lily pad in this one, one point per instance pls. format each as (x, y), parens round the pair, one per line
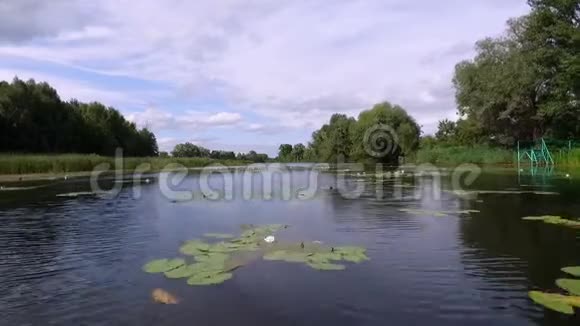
(556, 220)
(194, 247)
(214, 256)
(296, 257)
(288, 256)
(218, 235)
(573, 270)
(326, 266)
(209, 279)
(223, 247)
(356, 258)
(325, 257)
(184, 271)
(556, 302)
(540, 218)
(163, 265)
(345, 250)
(572, 286)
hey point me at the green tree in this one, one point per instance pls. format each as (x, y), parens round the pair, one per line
(446, 130)
(384, 133)
(332, 142)
(525, 84)
(189, 150)
(298, 152)
(285, 152)
(33, 119)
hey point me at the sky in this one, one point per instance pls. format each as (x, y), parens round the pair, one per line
(248, 75)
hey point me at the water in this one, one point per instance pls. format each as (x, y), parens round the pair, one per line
(77, 261)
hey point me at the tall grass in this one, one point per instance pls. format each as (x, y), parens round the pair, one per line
(451, 155)
(568, 158)
(30, 164)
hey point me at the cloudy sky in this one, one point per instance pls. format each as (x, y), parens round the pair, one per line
(248, 74)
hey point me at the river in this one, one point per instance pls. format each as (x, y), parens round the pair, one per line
(77, 260)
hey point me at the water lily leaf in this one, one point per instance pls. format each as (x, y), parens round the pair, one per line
(209, 279)
(288, 256)
(223, 247)
(163, 265)
(326, 266)
(357, 257)
(194, 247)
(556, 220)
(213, 256)
(164, 297)
(218, 235)
(539, 218)
(349, 250)
(296, 257)
(573, 270)
(572, 286)
(325, 257)
(557, 302)
(240, 259)
(184, 271)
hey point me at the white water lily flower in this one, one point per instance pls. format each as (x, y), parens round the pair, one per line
(270, 239)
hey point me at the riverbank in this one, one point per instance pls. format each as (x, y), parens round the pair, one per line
(454, 155)
(46, 167)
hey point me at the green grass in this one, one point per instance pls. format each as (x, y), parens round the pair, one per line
(567, 158)
(450, 155)
(31, 164)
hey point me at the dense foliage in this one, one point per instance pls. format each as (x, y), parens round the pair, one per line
(382, 134)
(33, 119)
(192, 150)
(524, 84)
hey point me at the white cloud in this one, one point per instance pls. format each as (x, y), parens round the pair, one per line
(295, 62)
(190, 120)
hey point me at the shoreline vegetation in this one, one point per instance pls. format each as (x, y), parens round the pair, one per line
(40, 166)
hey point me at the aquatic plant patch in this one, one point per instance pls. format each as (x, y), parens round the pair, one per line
(572, 270)
(559, 302)
(163, 265)
(572, 286)
(213, 263)
(555, 220)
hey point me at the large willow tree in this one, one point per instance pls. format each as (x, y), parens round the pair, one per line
(381, 134)
(525, 84)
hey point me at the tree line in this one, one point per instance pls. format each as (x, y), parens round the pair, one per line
(33, 119)
(192, 150)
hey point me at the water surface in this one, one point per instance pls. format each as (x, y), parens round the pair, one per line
(77, 261)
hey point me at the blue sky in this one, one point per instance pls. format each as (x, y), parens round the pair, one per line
(242, 75)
